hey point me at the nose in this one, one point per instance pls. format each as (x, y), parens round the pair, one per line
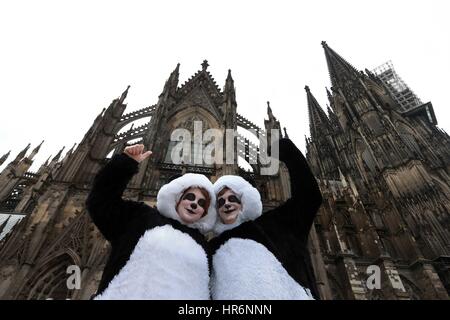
(194, 206)
(227, 206)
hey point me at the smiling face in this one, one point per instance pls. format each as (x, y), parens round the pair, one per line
(228, 205)
(193, 205)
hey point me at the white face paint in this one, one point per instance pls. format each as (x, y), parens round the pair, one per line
(229, 206)
(192, 205)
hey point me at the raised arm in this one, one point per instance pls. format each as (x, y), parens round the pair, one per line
(304, 189)
(299, 211)
(104, 203)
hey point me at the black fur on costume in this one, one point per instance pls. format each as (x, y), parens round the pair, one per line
(266, 256)
(150, 248)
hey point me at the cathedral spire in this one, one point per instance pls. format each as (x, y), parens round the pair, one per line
(124, 95)
(4, 157)
(92, 130)
(117, 105)
(68, 153)
(176, 71)
(22, 153)
(229, 90)
(47, 161)
(272, 122)
(174, 76)
(318, 120)
(70, 150)
(171, 84)
(35, 151)
(58, 155)
(270, 113)
(229, 78)
(44, 165)
(338, 68)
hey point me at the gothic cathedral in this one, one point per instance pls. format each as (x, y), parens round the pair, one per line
(383, 170)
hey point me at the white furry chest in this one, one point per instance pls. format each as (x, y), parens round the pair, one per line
(245, 269)
(165, 264)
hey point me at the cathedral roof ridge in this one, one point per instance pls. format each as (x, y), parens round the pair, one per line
(192, 82)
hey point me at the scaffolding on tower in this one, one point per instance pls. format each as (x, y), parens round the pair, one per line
(397, 87)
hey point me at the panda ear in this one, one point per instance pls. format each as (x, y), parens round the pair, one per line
(175, 176)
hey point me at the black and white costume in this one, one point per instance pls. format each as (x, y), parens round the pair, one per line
(266, 256)
(154, 255)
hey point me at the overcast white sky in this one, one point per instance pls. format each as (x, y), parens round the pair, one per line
(61, 62)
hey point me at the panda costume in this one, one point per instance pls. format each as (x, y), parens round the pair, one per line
(154, 254)
(265, 256)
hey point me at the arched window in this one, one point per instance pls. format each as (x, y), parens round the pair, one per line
(189, 142)
(50, 280)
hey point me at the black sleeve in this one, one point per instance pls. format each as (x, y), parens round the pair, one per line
(104, 203)
(304, 188)
(299, 211)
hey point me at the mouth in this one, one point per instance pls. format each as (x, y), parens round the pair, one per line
(229, 211)
(190, 211)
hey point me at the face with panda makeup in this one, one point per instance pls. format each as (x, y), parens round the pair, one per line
(193, 205)
(228, 205)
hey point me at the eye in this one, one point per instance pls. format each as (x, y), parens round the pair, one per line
(189, 196)
(202, 203)
(233, 199)
(220, 202)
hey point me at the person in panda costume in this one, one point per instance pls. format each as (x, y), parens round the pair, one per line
(156, 253)
(265, 256)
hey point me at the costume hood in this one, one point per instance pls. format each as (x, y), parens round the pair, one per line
(170, 194)
(250, 201)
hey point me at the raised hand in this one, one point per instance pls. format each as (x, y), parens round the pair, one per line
(136, 152)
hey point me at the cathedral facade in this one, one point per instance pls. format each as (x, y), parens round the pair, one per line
(383, 173)
(383, 167)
